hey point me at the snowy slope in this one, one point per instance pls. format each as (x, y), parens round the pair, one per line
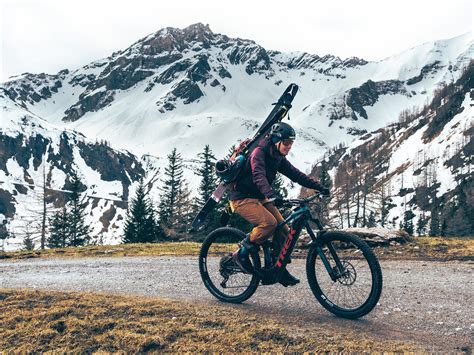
(32, 147)
(423, 163)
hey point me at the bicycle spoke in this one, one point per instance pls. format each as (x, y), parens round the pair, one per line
(352, 288)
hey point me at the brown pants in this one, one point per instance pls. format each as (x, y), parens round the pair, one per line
(265, 218)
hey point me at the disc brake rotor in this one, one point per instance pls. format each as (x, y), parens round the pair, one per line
(348, 275)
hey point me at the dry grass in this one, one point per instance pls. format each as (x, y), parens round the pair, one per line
(423, 248)
(79, 322)
(141, 249)
(431, 248)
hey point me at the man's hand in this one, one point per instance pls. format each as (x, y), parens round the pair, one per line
(324, 191)
(277, 201)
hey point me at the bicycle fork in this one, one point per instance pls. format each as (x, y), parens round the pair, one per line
(334, 272)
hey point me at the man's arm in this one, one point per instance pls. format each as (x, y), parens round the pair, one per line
(287, 169)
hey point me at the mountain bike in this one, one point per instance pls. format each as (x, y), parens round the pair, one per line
(342, 271)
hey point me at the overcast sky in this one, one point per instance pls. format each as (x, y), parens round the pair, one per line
(50, 35)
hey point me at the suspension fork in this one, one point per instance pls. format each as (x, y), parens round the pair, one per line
(334, 276)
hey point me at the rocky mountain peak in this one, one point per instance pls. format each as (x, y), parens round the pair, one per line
(197, 31)
(175, 39)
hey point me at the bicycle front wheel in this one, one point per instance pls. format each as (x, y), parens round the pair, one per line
(344, 274)
(221, 276)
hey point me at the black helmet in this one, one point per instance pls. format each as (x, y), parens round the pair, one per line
(281, 131)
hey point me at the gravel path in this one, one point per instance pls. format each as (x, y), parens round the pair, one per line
(429, 303)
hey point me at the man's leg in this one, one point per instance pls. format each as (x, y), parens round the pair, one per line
(254, 212)
(279, 236)
(264, 225)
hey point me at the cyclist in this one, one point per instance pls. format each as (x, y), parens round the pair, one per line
(254, 199)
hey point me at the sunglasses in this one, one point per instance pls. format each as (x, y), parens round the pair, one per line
(287, 142)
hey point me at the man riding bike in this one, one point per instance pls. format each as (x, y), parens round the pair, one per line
(254, 199)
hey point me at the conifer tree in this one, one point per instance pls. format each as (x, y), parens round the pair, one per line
(434, 224)
(207, 185)
(171, 189)
(407, 223)
(59, 230)
(409, 227)
(421, 225)
(207, 174)
(141, 225)
(278, 187)
(371, 222)
(79, 230)
(324, 177)
(28, 242)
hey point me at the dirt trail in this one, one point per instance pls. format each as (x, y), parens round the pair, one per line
(429, 303)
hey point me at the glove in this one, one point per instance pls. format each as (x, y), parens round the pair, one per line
(278, 202)
(324, 191)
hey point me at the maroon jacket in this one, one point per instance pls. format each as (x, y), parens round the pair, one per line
(260, 170)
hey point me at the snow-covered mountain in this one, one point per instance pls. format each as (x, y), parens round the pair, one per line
(189, 87)
(184, 88)
(415, 171)
(36, 154)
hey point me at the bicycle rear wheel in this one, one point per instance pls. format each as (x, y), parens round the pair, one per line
(219, 273)
(344, 274)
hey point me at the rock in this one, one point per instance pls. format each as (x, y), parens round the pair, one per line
(425, 70)
(188, 91)
(199, 72)
(223, 73)
(380, 236)
(88, 102)
(215, 83)
(368, 94)
(173, 72)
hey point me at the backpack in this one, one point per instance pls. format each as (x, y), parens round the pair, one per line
(228, 169)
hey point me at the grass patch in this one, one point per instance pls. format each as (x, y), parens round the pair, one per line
(139, 249)
(431, 248)
(36, 321)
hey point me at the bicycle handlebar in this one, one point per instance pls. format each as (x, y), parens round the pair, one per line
(300, 201)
